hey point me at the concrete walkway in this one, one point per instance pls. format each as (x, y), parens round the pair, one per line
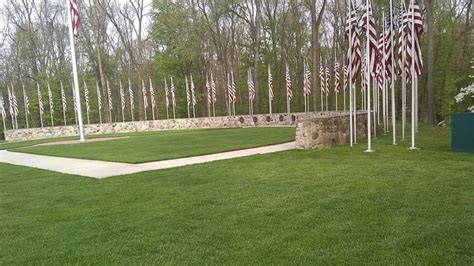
(101, 169)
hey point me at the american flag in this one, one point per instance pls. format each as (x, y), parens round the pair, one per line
(63, 97)
(130, 94)
(208, 89)
(167, 94)
(109, 95)
(381, 65)
(388, 55)
(328, 78)
(232, 89)
(415, 17)
(307, 80)
(251, 85)
(188, 92)
(74, 98)
(152, 94)
(364, 74)
(270, 84)
(145, 96)
(40, 100)
(51, 102)
(2, 105)
(322, 77)
(214, 89)
(173, 98)
(368, 18)
(10, 102)
(26, 100)
(76, 20)
(289, 87)
(346, 77)
(193, 92)
(402, 17)
(354, 52)
(86, 97)
(122, 96)
(99, 97)
(337, 81)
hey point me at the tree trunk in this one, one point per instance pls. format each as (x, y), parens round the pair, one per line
(430, 82)
(258, 17)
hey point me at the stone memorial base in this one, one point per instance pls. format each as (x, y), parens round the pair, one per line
(328, 130)
(284, 119)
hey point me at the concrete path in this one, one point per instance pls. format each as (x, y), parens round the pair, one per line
(101, 169)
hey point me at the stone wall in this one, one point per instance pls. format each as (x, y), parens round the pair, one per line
(328, 131)
(171, 124)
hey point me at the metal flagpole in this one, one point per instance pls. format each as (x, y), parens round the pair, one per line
(99, 101)
(349, 68)
(270, 90)
(74, 71)
(369, 129)
(394, 134)
(413, 79)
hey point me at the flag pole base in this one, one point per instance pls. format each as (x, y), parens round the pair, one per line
(413, 148)
(369, 151)
(395, 144)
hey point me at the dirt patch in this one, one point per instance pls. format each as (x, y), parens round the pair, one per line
(68, 142)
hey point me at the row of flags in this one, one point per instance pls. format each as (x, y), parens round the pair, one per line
(376, 63)
(149, 96)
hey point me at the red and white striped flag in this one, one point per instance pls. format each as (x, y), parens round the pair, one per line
(251, 85)
(122, 96)
(152, 94)
(193, 92)
(167, 94)
(337, 81)
(188, 92)
(270, 84)
(328, 78)
(232, 91)
(388, 55)
(214, 89)
(209, 90)
(109, 95)
(99, 97)
(289, 87)
(307, 80)
(51, 102)
(130, 94)
(76, 20)
(346, 77)
(63, 97)
(145, 95)
(86, 97)
(2, 105)
(26, 100)
(354, 52)
(416, 18)
(368, 25)
(322, 77)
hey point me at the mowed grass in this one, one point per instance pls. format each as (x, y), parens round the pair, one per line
(338, 206)
(156, 146)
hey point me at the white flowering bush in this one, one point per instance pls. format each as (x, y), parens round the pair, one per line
(466, 96)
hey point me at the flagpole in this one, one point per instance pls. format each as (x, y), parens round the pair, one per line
(369, 125)
(74, 71)
(349, 68)
(64, 109)
(413, 79)
(394, 115)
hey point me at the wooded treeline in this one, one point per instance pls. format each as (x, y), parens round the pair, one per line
(138, 39)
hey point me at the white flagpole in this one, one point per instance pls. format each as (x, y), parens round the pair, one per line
(74, 72)
(413, 80)
(369, 125)
(188, 94)
(394, 115)
(349, 68)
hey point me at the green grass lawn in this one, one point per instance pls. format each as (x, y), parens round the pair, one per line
(155, 146)
(338, 206)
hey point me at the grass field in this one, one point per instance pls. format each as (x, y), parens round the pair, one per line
(156, 146)
(298, 207)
